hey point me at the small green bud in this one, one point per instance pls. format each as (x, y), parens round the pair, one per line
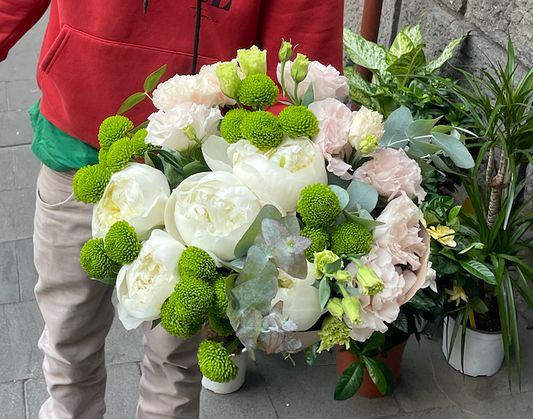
(335, 307)
(228, 78)
(252, 61)
(343, 277)
(351, 307)
(321, 260)
(369, 144)
(285, 52)
(369, 280)
(300, 68)
(190, 132)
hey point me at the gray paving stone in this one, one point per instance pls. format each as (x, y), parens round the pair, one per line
(6, 169)
(21, 325)
(122, 391)
(9, 283)
(22, 94)
(3, 97)
(440, 413)
(251, 401)
(300, 388)
(25, 167)
(518, 406)
(16, 128)
(35, 394)
(12, 400)
(123, 345)
(26, 269)
(16, 214)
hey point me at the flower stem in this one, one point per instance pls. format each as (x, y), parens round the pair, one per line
(233, 345)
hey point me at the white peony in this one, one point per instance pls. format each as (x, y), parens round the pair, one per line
(277, 176)
(143, 285)
(166, 127)
(202, 88)
(137, 194)
(363, 123)
(301, 302)
(327, 81)
(211, 210)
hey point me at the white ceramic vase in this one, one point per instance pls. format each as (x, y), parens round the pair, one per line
(233, 385)
(484, 351)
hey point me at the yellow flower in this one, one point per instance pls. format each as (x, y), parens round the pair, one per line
(457, 294)
(443, 234)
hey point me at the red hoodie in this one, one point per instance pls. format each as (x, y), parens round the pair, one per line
(96, 53)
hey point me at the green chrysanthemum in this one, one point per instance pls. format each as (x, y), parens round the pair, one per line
(298, 121)
(350, 237)
(102, 157)
(138, 143)
(94, 259)
(175, 322)
(90, 182)
(221, 325)
(215, 362)
(320, 242)
(119, 154)
(113, 129)
(333, 332)
(194, 298)
(220, 301)
(230, 127)
(318, 206)
(258, 91)
(122, 243)
(196, 263)
(262, 129)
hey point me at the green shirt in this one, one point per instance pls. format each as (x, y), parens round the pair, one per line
(55, 148)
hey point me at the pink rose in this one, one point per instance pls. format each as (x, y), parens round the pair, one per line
(333, 123)
(390, 172)
(327, 81)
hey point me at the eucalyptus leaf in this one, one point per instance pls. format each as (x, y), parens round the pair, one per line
(152, 80)
(420, 127)
(130, 102)
(362, 194)
(395, 127)
(454, 149)
(342, 194)
(309, 96)
(333, 267)
(268, 211)
(423, 147)
(324, 292)
(368, 224)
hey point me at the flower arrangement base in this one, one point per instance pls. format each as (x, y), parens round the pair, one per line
(233, 385)
(484, 351)
(368, 388)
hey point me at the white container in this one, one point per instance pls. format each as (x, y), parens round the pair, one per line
(483, 354)
(233, 385)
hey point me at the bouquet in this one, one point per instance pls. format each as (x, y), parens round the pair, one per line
(281, 224)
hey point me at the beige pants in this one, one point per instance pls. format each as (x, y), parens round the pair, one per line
(78, 314)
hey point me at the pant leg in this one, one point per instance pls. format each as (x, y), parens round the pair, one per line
(171, 380)
(76, 309)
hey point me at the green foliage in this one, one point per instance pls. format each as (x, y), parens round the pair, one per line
(298, 121)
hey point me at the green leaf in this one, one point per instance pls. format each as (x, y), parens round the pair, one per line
(268, 211)
(309, 96)
(395, 127)
(478, 305)
(155, 323)
(195, 167)
(401, 45)
(349, 381)
(444, 266)
(363, 52)
(109, 280)
(324, 291)
(376, 374)
(454, 212)
(362, 194)
(416, 146)
(333, 267)
(342, 194)
(388, 375)
(311, 353)
(130, 102)
(408, 64)
(366, 223)
(420, 127)
(414, 34)
(152, 80)
(445, 56)
(454, 149)
(373, 342)
(479, 270)
(357, 80)
(421, 301)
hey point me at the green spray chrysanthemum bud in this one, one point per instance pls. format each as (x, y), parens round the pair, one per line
(318, 206)
(90, 182)
(221, 325)
(112, 129)
(194, 298)
(175, 322)
(350, 237)
(335, 307)
(220, 301)
(321, 260)
(299, 68)
(122, 243)
(333, 332)
(102, 157)
(369, 144)
(196, 263)
(230, 127)
(94, 259)
(215, 362)
(351, 307)
(262, 129)
(140, 146)
(285, 52)
(252, 61)
(342, 277)
(228, 79)
(119, 154)
(258, 91)
(320, 238)
(369, 280)
(298, 121)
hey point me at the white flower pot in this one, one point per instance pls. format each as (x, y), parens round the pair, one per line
(484, 351)
(233, 385)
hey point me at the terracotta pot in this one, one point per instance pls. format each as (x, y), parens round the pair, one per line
(368, 388)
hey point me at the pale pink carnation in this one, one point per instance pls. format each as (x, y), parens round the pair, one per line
(399, 235)
(333, 123)
(327, 81)
(390, 172)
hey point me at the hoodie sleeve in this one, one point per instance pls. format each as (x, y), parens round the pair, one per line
(16, 18)
(315, 26)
